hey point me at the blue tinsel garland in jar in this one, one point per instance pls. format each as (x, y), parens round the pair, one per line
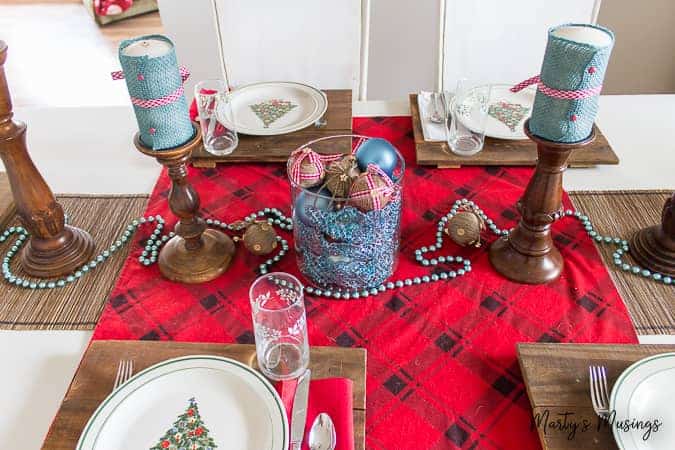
(339, 246)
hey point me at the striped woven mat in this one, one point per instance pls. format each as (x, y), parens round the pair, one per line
(78, 306)
(621, 213)
(616, 213)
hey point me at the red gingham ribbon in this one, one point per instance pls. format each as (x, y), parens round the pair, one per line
(299, 156)
(387, 190)
(156, 102)
(556, 93)
(357, 144)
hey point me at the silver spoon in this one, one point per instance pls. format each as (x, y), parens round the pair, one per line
(322, 434)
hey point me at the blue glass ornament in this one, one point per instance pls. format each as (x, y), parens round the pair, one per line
(305, 199)
(379, 152)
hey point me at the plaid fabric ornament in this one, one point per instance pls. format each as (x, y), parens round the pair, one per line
(372, 190)
(306, 168)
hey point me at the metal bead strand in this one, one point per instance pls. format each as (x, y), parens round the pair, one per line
(149, 254)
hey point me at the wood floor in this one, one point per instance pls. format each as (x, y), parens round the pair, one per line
(59, 57)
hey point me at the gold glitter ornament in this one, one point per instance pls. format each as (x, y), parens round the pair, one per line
(464, 228)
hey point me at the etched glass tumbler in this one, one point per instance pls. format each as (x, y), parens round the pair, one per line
(469, 112)
(280, 325)
(216, 117)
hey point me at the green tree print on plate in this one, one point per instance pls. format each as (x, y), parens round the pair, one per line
(188, 432)
(271, 110)
(510, 114)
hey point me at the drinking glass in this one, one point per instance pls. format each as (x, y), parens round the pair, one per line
(468, 116)
(215, 116)
(280, 325)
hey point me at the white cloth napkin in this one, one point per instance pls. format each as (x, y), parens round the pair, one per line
(433, 132)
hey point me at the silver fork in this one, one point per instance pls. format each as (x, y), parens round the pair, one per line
(599, 391)
(124, 371)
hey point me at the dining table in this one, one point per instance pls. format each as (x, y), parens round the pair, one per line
(89, 150)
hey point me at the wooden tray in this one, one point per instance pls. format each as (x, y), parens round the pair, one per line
(277, 148)
(7, 209)
(95, 376)
(556, 377)
(500, 152)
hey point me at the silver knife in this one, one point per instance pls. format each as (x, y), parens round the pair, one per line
(299, 413)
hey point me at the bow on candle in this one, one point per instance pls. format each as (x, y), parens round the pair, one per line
(156, 102)
(557, 93)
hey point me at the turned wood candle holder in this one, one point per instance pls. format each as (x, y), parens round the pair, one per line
(654, 247)
(54, 248)
(196, 254)
(527, 254)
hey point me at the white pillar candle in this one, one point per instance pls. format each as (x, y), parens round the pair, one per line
(151, 48)
(584, 35)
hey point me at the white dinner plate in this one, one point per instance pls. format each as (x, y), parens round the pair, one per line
(646, 391)
(507, 111)
(273, 108)
(231, 403)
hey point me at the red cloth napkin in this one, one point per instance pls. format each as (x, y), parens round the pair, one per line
(194, 112)
(330, 395)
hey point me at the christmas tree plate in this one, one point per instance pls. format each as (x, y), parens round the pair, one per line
(194, 402)
(273, 108)
(507, 111)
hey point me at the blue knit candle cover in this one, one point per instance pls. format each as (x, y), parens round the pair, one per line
(569, 66)
(149, 78)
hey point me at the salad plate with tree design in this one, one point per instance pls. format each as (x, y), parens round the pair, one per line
(194, 402)
(273, 108)
(506, 110)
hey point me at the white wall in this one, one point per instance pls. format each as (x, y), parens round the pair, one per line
(382, 49)
(191, 26)
(404, 47)
(497, 41)
(308, 41)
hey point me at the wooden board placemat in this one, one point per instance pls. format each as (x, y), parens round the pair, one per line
(78, 306)
(95, 376)
(501, 152)
(556, 377)
(277, 148)
(622, 213)
(7, 209)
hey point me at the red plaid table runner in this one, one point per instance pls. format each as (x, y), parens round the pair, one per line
(442, 369)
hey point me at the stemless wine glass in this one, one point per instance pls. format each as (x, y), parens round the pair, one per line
(216, 117)
(469, 112)
(280, 325)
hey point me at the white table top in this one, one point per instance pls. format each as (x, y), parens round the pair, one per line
(89, 150)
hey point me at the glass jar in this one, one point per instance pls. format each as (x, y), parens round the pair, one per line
(340, 247)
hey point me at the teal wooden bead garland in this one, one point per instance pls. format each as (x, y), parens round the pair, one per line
(278, 219)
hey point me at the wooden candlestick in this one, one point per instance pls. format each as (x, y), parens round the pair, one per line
(195, 254)
(54, 248)
(527, 254)
(654, 247)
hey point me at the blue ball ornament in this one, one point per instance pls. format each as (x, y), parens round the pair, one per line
(306, 199)
(379, 152)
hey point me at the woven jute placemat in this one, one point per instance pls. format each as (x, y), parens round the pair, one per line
(616, 213)
(78, 306)
(7, 209)
(622, 213)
